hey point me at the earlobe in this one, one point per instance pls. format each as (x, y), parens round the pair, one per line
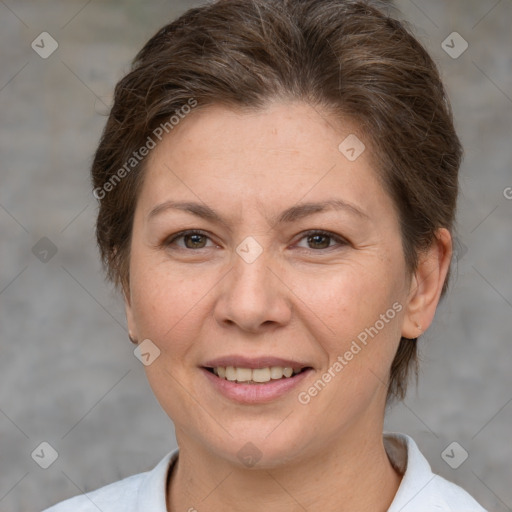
(427, 284)
(132, 332)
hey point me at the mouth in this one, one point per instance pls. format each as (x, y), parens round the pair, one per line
(255, 376)
(254, 380)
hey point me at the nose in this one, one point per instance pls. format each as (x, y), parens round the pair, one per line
(253, 296)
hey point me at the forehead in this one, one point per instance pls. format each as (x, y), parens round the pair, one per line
(292, 129)
(286, 152)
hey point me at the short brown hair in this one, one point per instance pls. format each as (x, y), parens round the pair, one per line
(344, 56)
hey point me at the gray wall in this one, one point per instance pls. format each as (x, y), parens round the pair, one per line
(69, 376)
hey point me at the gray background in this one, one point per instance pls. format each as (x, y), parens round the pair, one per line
(69, 376)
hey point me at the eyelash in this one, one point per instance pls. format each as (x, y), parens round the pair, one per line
(311, 232)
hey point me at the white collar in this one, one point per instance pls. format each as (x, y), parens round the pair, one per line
(420, 489)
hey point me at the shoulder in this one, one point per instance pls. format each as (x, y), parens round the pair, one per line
(125, 495)
(456, 498)
(116, 496)
(421, 490)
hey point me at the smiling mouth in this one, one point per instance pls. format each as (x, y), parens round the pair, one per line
(255, 375)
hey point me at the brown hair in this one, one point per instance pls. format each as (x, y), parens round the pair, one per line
(343, 56)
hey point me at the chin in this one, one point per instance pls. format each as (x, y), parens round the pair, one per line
(261, 444)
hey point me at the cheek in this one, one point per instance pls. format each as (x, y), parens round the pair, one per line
(348, 297)
(171, 303)
(353, 305)
(162, 311)
(160, 298)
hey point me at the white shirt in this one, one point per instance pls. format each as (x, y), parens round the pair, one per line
(420, 489)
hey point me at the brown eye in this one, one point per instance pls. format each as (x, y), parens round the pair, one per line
(319, 240)
(196, 241)
(192, 240)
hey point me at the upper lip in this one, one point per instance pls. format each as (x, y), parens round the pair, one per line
(256, 362)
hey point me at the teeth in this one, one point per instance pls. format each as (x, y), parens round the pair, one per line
(243, 374)
(276, 372)
(287, 372)
(261, 375)
(230, 373)
(257, 375)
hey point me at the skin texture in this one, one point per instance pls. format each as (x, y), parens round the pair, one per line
(302, 299)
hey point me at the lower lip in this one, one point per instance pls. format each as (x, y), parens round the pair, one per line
(255, 393)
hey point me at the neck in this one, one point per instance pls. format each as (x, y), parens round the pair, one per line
(346, 476)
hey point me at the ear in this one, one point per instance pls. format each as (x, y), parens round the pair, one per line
(130, 320)
(427, 284)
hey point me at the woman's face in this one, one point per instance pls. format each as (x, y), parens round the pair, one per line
(254, 289)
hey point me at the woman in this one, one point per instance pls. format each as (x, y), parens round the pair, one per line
(277, 183)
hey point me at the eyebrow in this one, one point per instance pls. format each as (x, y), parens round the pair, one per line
(289, 215)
